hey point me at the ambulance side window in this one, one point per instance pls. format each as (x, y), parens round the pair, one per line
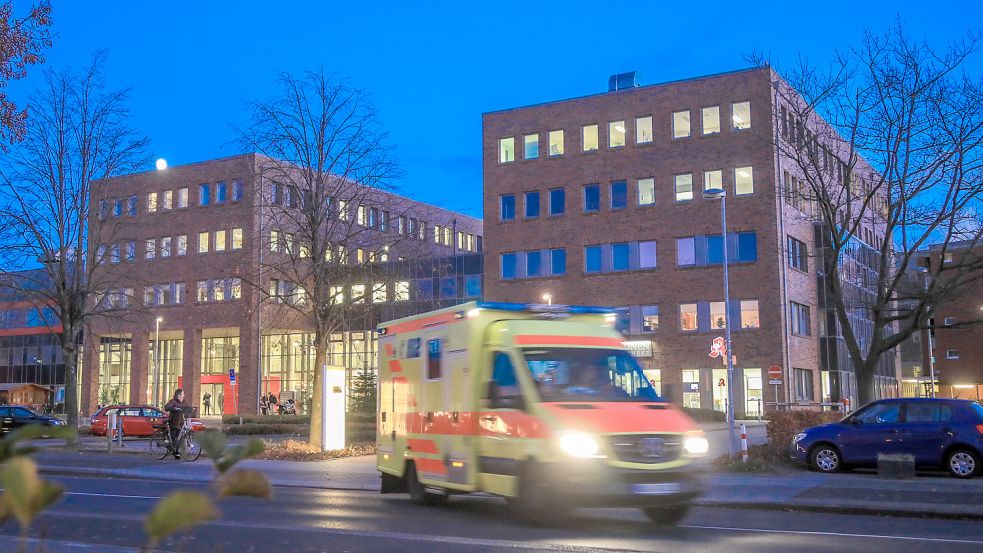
(433, 359)
(504, 389)
(412, 348)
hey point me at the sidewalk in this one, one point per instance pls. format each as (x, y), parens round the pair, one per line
(932, 496)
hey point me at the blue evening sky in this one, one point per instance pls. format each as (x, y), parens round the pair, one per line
(433, 68)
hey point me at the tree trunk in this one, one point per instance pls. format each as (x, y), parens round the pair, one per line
(865, 385)
(70, 353)
(320, 359)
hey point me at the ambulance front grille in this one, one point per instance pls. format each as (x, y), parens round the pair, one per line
(646, 448)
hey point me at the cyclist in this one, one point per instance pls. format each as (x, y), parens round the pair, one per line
(175, 408)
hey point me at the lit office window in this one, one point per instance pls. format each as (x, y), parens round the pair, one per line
(650, 318)
(358, 293)
(556, 143)
(687, 316)
(680, 124)
(152, 202)
(506, 150)
(165, 246)
(643, 129)
(203, 242)
(589, 137)
(743, 181)
(713, 179)
(168, 200)
(220, 240)
(182, 244)
(718, 317)
(616, 134)
(749, 314)
(401, 290)
(741, 115)
(151, 251)
(531, 146)
(684, 187)
(711, 120)
(182, 197)
(237, 239)
(646, 191)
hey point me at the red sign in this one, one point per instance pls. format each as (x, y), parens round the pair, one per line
(722, 383)
(775, 373)
(718, 348)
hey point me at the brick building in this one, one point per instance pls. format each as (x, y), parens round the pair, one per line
(598, 200)
(196, 246)
(956, 342)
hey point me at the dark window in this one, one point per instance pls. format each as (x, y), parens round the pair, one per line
(508, 207)
(592, 198)
(715, 249)
(220, 192)
(532, 205)
(803, 384)
(592, 259)
(622, 320)
(534, 263)
(236, 190)
(117, 207)
(433, 359)
(923, 411)
(799, 319)
(880, 413)
(423, 289)
(747, 246)
(619, 257)
(131, 206)
(448, 288)
(558, 261)
(472, 286)
(508, 266)
(503, 375)
(413, 348)
(558, 201)
(798, 256)
(619, 195)
(204, 194)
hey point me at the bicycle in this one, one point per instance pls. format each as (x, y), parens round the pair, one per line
(187, 447)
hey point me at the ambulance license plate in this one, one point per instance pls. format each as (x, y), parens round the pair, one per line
(655, 489)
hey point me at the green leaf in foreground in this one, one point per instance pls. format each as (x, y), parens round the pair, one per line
(180, 510)
(25, 495)
(244, 483)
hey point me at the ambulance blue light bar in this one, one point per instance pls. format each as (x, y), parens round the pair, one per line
(546, 308)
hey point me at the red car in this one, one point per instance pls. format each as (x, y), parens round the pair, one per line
(138, 420)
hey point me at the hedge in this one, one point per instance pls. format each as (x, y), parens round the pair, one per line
(291, 419)
(355, 431)
(783, 425)
(705, 415)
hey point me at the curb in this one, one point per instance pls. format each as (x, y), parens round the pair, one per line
(842, 509)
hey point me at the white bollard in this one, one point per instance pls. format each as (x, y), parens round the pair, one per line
(110, 429)
(744, 442)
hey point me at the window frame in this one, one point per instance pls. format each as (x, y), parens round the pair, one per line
(689, 124)
(638, 127)
(703, 120)
(583, 138)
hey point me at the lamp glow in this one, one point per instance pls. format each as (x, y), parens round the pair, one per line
(161, 164)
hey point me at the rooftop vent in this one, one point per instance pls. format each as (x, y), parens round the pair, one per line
(622, 81)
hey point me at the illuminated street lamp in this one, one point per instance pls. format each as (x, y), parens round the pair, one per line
(721, 194)
(548, 298)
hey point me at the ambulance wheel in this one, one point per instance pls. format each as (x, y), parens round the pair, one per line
(418, 492)
(532, 502)
(666, 515)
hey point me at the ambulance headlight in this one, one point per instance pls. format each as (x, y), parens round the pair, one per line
(696, 445)
(578, 444)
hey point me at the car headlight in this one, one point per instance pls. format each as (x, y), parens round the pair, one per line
(798, 437)
(578, 444)
(696, 445)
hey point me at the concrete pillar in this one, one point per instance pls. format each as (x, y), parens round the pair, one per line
(249, 372)
(90, 374)
(139, 362)
(191, 371)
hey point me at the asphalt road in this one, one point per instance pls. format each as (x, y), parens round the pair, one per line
(109, 512)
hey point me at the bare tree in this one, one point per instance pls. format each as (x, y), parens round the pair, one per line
(883, 150)
(21, 43)
(77, 134)
(330, 221)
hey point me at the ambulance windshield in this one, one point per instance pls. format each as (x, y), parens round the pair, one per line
(588, 374)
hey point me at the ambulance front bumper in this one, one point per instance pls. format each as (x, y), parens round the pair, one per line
(600, 485)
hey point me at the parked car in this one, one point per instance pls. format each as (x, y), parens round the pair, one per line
(943, 433)
(138, 420)
(15, 416)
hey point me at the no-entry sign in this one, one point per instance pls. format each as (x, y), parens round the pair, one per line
(775, 374)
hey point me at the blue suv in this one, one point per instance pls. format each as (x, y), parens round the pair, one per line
(945, 433)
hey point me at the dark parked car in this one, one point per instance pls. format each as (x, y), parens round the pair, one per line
(15, 416)
(946, 433)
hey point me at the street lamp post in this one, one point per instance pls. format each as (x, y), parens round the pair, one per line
(931, 349)
(548, 298)
(721, 194)
(157, 362)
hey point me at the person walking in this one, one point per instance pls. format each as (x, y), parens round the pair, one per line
(273, 403)
(264, 405)
(175, 408)
(206, 401)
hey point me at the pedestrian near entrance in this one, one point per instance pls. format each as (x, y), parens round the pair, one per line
(264, 405)
(175, 408)
(206, 401)
(273, 403)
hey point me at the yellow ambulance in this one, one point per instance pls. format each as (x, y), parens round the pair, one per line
(540, 404)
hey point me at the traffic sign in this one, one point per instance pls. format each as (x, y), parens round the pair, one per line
(775, 374)
(232, 377)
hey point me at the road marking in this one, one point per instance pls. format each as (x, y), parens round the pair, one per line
(115, 495)
(837, 534)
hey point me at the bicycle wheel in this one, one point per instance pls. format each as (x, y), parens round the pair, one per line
(190, 448)
(159, 443)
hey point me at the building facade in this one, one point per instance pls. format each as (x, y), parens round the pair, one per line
(599, 200)
(190, 257)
